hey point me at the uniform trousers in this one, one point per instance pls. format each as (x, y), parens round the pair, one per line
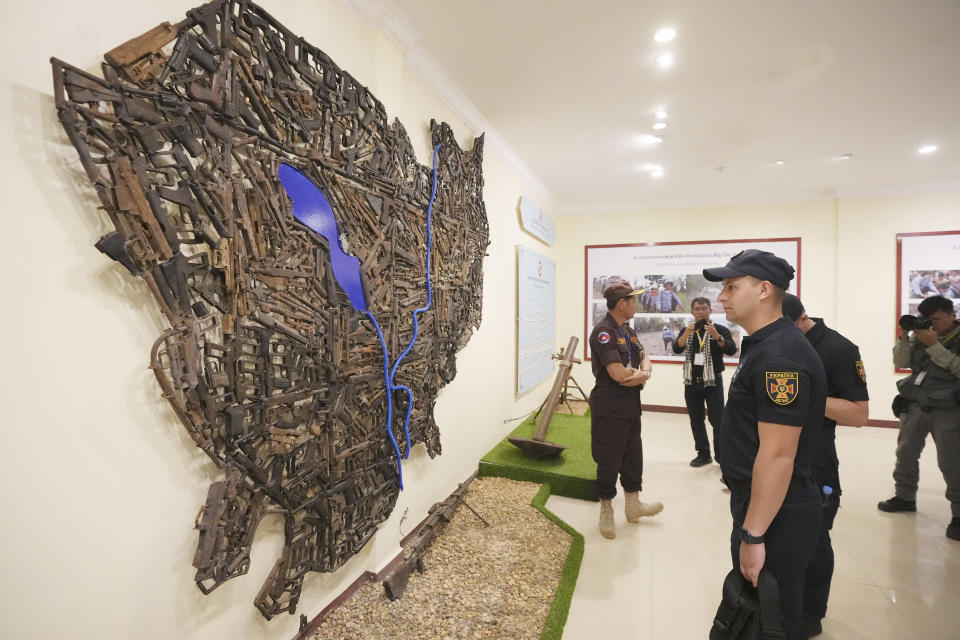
(696, 396)
(618, 451)
(915, 423)
(816, 590)
(790, 542)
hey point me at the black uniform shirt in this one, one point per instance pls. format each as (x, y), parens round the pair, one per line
(780, 380)
(716, 351)
(846, 379)
(612, 343)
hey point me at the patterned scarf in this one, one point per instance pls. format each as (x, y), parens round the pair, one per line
(709, 377)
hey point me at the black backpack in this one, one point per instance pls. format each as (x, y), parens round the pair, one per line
(748, 613)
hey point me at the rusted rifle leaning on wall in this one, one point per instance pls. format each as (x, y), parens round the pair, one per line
(440, 513)
(538, 447)
(273, 372)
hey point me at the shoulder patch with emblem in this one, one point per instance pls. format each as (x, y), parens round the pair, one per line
(861, 371)
(782, 386)
(603, 337)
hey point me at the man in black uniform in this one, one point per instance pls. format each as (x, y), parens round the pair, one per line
(847, 404)
(770, 431)
(704, 344)
(621, 367)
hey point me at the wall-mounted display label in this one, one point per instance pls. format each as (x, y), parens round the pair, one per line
(536, 317)
(536, 222)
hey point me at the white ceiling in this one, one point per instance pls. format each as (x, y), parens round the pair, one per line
(570, 86)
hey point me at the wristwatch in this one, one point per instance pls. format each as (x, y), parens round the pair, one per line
(749, 539)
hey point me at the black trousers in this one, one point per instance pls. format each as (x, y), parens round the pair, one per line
(618, 451)
(790, 542)
(696, 396)
(816, 589)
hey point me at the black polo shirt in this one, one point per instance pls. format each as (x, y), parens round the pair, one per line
(780, 380)
(846, 379)
(610, 343)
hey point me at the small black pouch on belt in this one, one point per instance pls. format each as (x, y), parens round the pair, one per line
(748, 613)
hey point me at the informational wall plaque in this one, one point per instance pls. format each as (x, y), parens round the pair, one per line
(536, 317)
(536, 222)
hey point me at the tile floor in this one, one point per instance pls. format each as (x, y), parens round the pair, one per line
(897, 576)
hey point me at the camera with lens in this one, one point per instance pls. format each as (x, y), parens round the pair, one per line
(913, 323)
(700, 324)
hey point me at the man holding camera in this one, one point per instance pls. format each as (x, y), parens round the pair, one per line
(704, 344)
(847, 402)
(929, 402)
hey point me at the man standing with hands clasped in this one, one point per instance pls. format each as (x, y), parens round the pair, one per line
(847, 403)
(621, 366)
(704, 344)
(770, 431)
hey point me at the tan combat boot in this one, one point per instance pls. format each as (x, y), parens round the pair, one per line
(634, 509)
(606, 520)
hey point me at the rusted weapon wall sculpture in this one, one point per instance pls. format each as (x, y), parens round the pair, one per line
(281, 224)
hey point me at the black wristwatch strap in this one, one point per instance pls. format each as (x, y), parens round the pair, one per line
(749, 539)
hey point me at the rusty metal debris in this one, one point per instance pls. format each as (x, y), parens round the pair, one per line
(271, 371)
(440, 513)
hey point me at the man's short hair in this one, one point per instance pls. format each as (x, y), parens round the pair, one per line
(778, 293)
(700, 300)
(933, 304)
(611, 304)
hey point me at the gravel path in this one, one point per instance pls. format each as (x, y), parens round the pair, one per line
(480, 582)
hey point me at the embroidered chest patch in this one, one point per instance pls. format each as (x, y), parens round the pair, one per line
(861, 371)
(782, 386)
(603, 337)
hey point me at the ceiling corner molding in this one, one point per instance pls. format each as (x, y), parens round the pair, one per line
(382, 15)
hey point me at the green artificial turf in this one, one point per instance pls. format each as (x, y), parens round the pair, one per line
(560, 608)
(570, 474)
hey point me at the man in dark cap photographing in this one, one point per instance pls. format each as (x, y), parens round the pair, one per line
(770, 431)
(929, 402)
(847, 403)
(621, 366)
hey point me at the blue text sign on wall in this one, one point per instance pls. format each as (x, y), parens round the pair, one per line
(536, 222)
(536, 317)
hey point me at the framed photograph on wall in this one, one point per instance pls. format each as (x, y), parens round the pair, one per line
(672, 274)
(928, 264)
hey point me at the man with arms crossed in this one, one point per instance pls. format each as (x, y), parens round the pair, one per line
(621, 366)
(770, 431)
(847, 404)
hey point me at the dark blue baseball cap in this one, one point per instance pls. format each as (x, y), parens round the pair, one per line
(756, 263)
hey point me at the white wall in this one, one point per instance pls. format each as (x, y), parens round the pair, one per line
(848, 265)
(100, 484)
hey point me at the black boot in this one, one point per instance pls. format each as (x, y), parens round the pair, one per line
(895, 504)
(953, 529)
(701, 459)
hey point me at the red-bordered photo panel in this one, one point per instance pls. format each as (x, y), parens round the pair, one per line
(672, 274)
(928, 264)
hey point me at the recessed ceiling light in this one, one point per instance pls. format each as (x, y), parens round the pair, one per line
(657, 126)
(779, 163)
(648, 140)
(845, 156)
(664, 61)
(930, 148)
(656, 173)
(665, 35)
(661, 114)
